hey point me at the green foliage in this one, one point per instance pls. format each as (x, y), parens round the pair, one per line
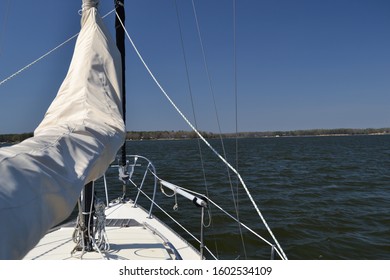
(312, 132)
(150, 135)
(154, 135)
(14, 138)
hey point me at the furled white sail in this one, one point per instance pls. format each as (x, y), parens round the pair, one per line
(41, 178)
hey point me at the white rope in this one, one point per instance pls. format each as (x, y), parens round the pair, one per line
(202, 138)
(173, 219)
(216, 205)
(38, 59)
(235, 201)
(174, 194)
(102, 242)
(236, 220)
(45, 55)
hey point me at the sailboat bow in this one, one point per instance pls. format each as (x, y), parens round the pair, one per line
(76, 143)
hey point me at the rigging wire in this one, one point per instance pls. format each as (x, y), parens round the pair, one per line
(203, 139)
(193, 110)
(45, 55)
(172, 218)
(210, 201)
(190, 89)
(235, 219)
(235, 80)
(236, 120)
(37, 60)
(175, 106)
(217, 118)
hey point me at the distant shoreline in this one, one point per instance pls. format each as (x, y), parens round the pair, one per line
(175, 135)
(181, 135)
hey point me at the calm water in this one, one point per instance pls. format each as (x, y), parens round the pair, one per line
(323, 197)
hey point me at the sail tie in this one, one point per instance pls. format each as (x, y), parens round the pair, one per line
(88, 4)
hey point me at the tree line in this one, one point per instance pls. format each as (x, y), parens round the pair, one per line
(14, 138)
(314, 132)
(150, 135)
(157, 135)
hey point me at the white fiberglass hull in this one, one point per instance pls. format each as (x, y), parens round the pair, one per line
(134, 238)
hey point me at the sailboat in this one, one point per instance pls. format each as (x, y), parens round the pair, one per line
(80, 140)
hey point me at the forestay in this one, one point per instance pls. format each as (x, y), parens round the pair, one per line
(41, 178)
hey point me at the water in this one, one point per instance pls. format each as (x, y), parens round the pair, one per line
(323, 197)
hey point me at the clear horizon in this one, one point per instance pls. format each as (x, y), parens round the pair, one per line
(301, 65)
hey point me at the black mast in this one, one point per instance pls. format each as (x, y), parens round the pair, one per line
(87, 223)
(120, 43)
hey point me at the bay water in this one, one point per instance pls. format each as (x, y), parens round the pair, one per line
(323, 197)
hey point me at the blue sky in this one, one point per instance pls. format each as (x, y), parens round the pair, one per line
(300, 64)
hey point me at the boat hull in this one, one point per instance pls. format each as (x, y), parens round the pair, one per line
(134, 238)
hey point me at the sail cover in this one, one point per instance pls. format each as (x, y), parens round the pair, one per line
(41, 178)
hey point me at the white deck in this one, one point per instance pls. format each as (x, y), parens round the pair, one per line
(135, 241)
